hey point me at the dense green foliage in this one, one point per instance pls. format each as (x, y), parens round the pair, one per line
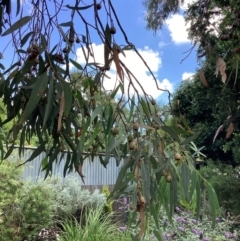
(158, 11)
(226, 183)
(205, 109)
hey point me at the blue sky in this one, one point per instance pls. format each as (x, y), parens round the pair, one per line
(163, 51)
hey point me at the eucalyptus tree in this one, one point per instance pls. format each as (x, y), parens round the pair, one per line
(44, 100)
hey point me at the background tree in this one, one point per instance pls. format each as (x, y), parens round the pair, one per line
(158, 11)
(205, 109)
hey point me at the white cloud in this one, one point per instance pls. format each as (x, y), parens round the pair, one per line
(178, 29)
(135, 65)
(187, 76)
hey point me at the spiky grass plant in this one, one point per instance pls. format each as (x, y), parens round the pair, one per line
(97, 227)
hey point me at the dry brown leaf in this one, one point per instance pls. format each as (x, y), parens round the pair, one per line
(79, 170)
(217, 132)
(142, 220)
(180, 126)
(221, 68)
(229, 130)
(203, 79)
(161, 146)
(117, 62)
(61, 108)
(136, 172)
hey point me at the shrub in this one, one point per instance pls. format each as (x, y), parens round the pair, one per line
(71, 199)
(108, 205)
(226, 183)
(9, 185)
(31, 209)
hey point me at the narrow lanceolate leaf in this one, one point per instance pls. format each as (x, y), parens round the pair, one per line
(67, 24)
(212, 204)
(229, 130)
(25, 38)
(36, 153)
(79, 8)
(61, 108)
(68, 97)
(117, 62)
(37, 92)
(217, 132)
(198, 198)
(77, 65)
(185, 178)
(96, 112)
(107, 45)
(171, 132)
(18, 6)
(190, 139)
(20, 23)
(145, 175)
(142, 221)
(49, 102)
(202, 78)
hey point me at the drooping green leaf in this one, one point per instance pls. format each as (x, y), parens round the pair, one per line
(117, 143)
(79, 8)
(97, 111)
(131, 108)
(173, 194)
(67, 97)
(2, 66)
(193, 183)
(17, 25)
(77, 65)
(213, 204)
(66, 166)
(198, 196)
(171, 132)
(64, 37)
(185, 178)
(97, 78)
(113, 94)
(109, 112)
(18, 6)
(145, 108)
(36, 153)
(44, 43)
(37, 92)
(107, 45)
(191, 138)
(66, 24)
(145, 175)
(9, 151)
(49, 105)
(121, 176)
(25, 38)
(44, 163)
(93, 136)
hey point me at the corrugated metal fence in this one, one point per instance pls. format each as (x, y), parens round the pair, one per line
(95, 174)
